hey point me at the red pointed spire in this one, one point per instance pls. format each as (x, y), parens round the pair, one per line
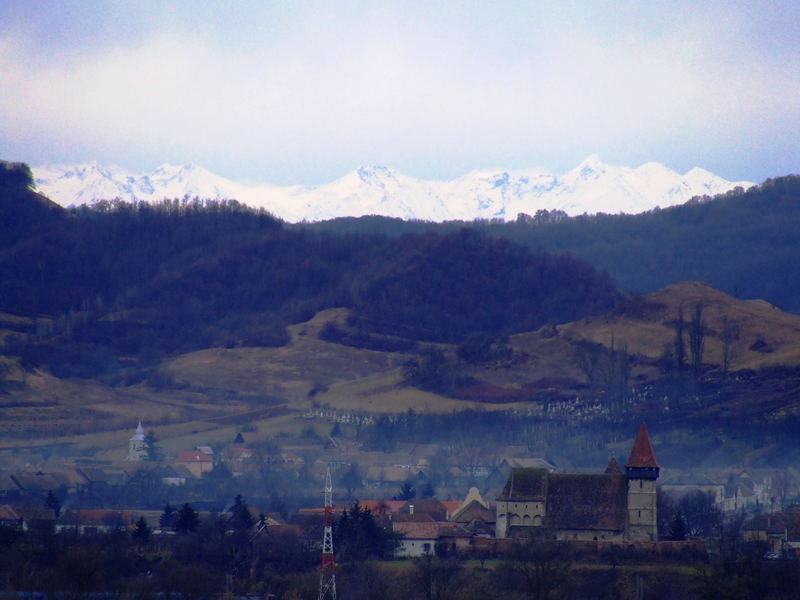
(642, 455)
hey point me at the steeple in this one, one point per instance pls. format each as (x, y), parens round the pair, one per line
(642, 462)
(613, 467)
(137, 445)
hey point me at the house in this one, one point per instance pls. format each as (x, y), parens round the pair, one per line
(425, 506)
(383, 508)
(35, 484)
(419, 538)
(175, 475)
(9, 517)
(475, 515)
(9, 490)
(237, 454)
(99, 480)
(780, 530)
(453, 539)
(609, 506)
(93, 521)
(382, 476)
(195, 461)
(36, 519)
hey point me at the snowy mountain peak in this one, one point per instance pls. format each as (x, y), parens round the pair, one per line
(590, 165)
(591, 187)
(368, 173)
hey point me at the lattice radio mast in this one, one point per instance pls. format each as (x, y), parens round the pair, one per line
(327, 572)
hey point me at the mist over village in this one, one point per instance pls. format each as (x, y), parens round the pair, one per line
(381, 301)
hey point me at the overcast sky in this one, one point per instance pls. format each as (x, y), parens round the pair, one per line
(303, 92)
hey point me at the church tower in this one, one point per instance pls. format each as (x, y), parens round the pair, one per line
(137, 445)
(642, 471)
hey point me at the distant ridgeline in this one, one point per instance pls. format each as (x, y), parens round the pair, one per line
(744, 243)
(139, 280)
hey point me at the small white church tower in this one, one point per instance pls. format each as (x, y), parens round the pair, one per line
(137, 445)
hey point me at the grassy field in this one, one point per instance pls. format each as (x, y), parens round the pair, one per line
(207, 396)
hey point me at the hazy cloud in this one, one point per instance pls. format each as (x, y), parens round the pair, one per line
(302, 94)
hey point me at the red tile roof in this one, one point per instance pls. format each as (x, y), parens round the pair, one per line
(191, 456)
(380, 507)
(416, 530)
(642, 455)
(7, 513)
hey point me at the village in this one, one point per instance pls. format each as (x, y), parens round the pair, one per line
(474, 502)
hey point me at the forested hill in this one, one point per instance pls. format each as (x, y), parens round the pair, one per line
(22, 211)
(123, 282)
(745, 243)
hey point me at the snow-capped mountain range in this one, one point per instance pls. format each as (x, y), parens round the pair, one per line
(591, 187)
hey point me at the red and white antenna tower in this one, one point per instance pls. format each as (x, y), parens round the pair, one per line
(327, 572)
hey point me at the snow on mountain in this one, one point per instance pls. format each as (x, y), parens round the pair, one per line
(591, 187)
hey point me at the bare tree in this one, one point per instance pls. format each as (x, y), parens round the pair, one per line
(697, 335)
(730, 338)
(589, 355)
(539, 567)
(437, 578)
(615, 372)
(680, 347)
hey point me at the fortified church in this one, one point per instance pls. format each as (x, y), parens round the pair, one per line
(612, 506)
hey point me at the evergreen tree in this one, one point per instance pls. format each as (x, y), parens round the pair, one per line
(168, 518)
(188, 519)
(427, 491)
(240, 514)
(407, 492)
(141, 534)
(151, 444)
(53, 503)
(359, 536)
(677, 531)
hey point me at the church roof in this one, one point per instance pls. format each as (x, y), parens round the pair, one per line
(525, 485)
(139, 435)
(613, 467)
(642, 454)
(586, 501)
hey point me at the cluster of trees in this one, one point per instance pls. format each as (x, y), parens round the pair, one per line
(444, 288)
(212, 560)
(695, 515)
(360, 536)
(202, 560)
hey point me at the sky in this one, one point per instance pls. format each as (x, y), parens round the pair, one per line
(304, 92)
